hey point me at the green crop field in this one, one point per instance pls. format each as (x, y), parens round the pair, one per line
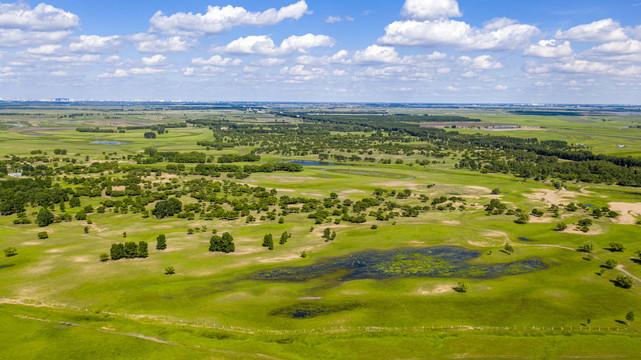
(401, 244)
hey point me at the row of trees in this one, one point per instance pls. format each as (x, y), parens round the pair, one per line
(128, 250)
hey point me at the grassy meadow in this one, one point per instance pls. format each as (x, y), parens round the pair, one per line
(214, 308)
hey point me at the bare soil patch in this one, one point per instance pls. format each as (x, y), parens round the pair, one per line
(629, 212)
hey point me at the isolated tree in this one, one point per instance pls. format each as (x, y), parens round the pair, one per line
(303, 254)
(462, 287)
(143, 249)
(624, 281)
(508, 248)
(332, 236)
(268, 241)
(81, 215)
(522, 218)
(150, 135)
(43, 235)
(169, 270)
(611, 263)
(617, 247)
(561, 226)
(588, 246)
(45, 218)
(86, 229)
(10, 251)
(104, 257)
(629, 317)
(327, 233)
(161, 242)
(283, 238)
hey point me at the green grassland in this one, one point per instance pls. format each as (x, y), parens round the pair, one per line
(214, 308)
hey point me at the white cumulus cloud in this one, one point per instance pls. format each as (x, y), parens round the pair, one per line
(154, 60)
(220, 19)
(377, 54)
(430, 9)
(45, 49)
(549, 49)
(174, 44)
(216, 60)
(264, 45)
(499, 34)
(598, 31)
(41, 18)
(95, 44)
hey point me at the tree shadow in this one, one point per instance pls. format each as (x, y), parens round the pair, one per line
(622, 322)
(636, 261)
(587, 258)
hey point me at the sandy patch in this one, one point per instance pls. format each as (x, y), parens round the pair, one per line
(81, 259)
(285, 190)
(310, 298)
(311, 194)
(54, 251)
(541, 220)
(594, 230)
(118, 188)
(353, 191)
(628, 212)
(552, 197)
(280, 259)
(480, 189)
(31, 243)
(481, 243)
(396, 184)
(451, 222)
(438, 289)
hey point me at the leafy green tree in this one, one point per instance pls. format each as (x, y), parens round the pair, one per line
(283, 238)
(561, 226)
(86, 229)
(624, 281)
(161, 242)
(327, 233)
(167, 208)
(169, 270)
(332, 236)
(268, 241)
(74, 202)
(44, 218)
(81, 215)
(522, 218)
(228, 243)
(104, 257)
(617, 247)
(588, 246)
(215, 243)
(10, 251)
(462, 287)
(131, 250)
(150, 135)
(303, 254)
(611, 263)
(143, 249)
(117, 251)
(508, 248)
(43, 235)
(629, 317)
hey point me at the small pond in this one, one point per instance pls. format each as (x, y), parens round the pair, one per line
(433, 262)
(109, 143)
(5, 266)
(311, 163)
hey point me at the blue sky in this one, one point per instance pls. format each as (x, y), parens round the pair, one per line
(481, 51)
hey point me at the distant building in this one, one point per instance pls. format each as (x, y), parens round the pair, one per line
(17, 174)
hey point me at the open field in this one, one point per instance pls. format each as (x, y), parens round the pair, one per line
(215, 305)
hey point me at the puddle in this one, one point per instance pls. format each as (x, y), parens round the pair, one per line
(433, 262)
(109, 143)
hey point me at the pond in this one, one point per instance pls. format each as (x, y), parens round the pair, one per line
(311, 163)
(5, 266)
(109, 143)
(433, 262)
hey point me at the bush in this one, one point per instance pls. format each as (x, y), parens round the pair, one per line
(10, 251)
(588, 246)
(462, 287)
(104, 257)
(374, 227)
(611, 263)
(624, 281)
(161, 242)
(43, 235)
(169, 270)
(617, 247)
(561, 226)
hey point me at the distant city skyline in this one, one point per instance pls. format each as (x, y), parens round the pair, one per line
(413, 51)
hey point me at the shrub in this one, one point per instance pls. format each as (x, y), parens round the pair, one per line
(43, 235)
(624, 281)
(10, 251)
(462, 287)
(104, 257)
(169, 270)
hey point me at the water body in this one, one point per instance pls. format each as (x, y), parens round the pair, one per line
(311, 163)
(503, 128)
(5, 266)
(433, 262)
(36, 134)
(525, 239)
(109, 143)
